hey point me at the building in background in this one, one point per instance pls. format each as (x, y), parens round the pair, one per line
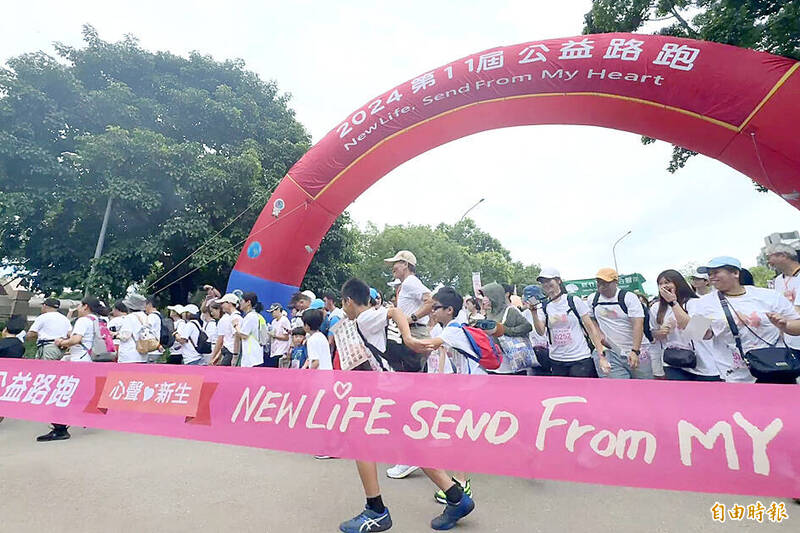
(792, 238)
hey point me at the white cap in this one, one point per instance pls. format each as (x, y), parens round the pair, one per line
(177, 308)
(191, 308)
(700, 275)
(310, 294)
(229, 298)
(403, 255)
(548, 273)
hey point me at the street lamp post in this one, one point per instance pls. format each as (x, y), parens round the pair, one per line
(98, 251)
(614, 249)
(470, 209)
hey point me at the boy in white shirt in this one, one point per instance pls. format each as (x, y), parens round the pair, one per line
(319, 351)
(372, 323)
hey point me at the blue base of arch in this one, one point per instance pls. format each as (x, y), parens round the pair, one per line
(268, 292)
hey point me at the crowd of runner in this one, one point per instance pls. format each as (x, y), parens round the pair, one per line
(715, 326)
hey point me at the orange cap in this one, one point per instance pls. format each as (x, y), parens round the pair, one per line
(607, 274)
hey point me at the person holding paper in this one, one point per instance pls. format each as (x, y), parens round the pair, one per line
(685, 358)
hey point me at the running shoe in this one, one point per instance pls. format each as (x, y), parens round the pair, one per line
(367, 521)
(401, 471)
(453, 513)
(441, 498)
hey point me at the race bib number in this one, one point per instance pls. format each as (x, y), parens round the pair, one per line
(562, 337)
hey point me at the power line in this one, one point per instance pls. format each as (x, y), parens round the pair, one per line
(237, 245)
(237, 217)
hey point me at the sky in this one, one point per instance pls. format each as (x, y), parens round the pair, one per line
(558, 196)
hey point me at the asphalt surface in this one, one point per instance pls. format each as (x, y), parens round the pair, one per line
(101, 481)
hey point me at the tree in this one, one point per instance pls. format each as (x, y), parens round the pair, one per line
(762, 275)
(446, 255)
(188, 149)
(767, 25)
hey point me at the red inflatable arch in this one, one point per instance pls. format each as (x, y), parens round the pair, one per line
(736, 105)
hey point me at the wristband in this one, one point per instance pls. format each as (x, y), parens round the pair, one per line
(637, 352)
(672, 303)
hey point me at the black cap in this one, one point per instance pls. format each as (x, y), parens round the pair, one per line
(55, 303)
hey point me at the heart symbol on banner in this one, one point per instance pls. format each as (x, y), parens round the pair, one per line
(148, 393)
(341, 390)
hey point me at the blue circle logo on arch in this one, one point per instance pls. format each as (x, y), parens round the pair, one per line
(254, 250)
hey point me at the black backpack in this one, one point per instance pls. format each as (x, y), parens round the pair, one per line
(166, 336)
(203, 346)
(397, 355)
(621, 302)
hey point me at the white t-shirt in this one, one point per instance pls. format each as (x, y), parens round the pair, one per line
(410, 297)
(789, 288)
(154, 319)
(128, 332)
(319, 350)
(84, 327)
(614, 323)
(191, 332)
(177, 348)
(536, 339)
(337, 312)
(455, 339)
(210, 328)
(750, 308)
(281, 326)
(50, 326)
(372, 324)
(567, 343)
(677, 338)
(226, 330)
(252, 352)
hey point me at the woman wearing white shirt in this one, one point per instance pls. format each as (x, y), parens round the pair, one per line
(187, 335)
(247, 331)
(79, 344)
(570, 355)
(668, 320)
(761, 316)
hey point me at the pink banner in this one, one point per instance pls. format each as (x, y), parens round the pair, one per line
(707, 437)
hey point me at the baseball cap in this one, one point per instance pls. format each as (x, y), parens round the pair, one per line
(177, 308)
(698, 275)
(275, 307)
(607, 274)
(403, 255)
(311, 296)
(191, 308)
(373, 293)
(394, 283)
(135, 302)
(229, 298)
(316, 304)
(718, 262)
(532, 291)
(55, 303)
(548, 273)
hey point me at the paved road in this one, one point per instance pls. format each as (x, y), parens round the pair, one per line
(101, 481)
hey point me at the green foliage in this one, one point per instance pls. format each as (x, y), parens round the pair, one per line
(445, 254)
(767, 25)
(181, 145)
(761, 275)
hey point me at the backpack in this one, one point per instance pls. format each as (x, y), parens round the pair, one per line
(166, 337)
(490, 357)
(203, 347)
(621, 302)
(263, 331)
(102, 339)
(397, 355)
(147, 338)
(574, 310)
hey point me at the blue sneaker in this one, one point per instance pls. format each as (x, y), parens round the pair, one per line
(367, 521)
(453, 513)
